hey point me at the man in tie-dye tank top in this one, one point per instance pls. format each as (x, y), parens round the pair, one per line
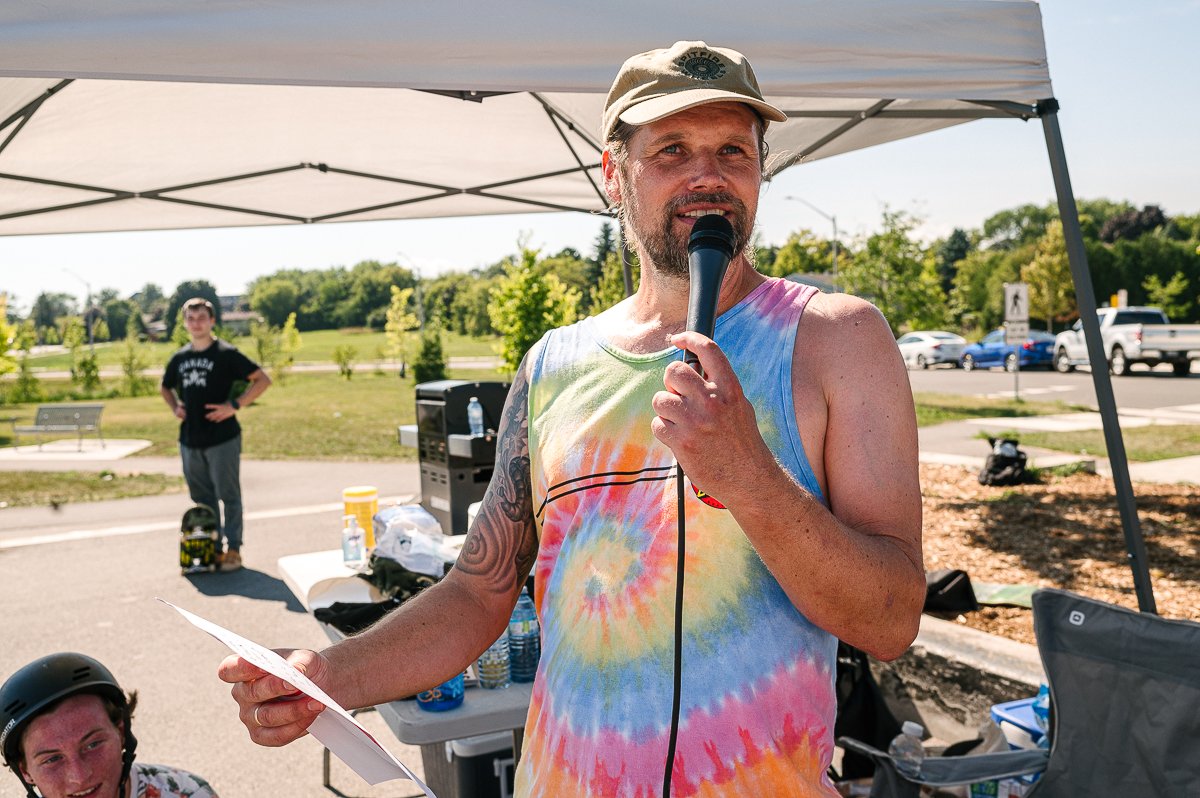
(802, 508)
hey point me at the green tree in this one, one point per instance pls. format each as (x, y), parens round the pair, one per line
(1168, 295)
(289, 345)
(431, 361)
(526, 304)
(977, 298)
(804, 252)
(179, 334)
(571, 270)
(74, 336)
(1051, 290)
(8, 338)
(1018, 226)
(150, 299)
(949, 253)
(26, 387)
(611, 288)
(472, 306)
(265, 339)
(49, 307)
(274, 299)
(100, 331)
(604, 245)
(344, 356)
(122, 316)
(400, 319)
(369, 292)
(135, 358)
(894, 271)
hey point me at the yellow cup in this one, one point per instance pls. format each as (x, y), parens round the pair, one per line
(362, 501)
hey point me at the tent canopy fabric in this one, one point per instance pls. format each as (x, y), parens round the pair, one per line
(147, 114)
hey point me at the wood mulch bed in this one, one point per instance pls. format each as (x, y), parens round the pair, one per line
(1063, 532)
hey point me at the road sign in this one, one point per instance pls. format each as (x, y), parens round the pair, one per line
(1015, 332)
(1016, 302)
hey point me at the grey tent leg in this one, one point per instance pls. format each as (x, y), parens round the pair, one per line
(1086, 298)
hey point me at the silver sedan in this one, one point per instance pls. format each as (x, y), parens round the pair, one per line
(925, 348)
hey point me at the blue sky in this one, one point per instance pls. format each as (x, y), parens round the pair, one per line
(1124, 73)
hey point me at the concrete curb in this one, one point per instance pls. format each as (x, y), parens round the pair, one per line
(952, 674)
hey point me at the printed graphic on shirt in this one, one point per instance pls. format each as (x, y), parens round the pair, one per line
(194, 372)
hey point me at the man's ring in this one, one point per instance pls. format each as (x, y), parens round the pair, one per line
(257, 707)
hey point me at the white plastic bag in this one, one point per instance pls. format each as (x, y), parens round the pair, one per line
(412, 537)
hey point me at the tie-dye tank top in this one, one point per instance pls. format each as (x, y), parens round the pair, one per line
(757, 691)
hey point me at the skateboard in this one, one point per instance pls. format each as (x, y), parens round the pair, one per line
(199, 540)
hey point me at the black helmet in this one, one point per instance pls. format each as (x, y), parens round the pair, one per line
(34, 688)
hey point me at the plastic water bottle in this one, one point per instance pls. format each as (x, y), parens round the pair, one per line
(492, 665)
(906, 750)
(475, 417)
(1041, 715)
(353, 553)
(524, 640)
(447, 695)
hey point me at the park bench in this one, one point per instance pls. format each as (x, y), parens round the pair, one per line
(63, 418)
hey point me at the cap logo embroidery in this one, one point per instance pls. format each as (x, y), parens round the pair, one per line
(701, 65)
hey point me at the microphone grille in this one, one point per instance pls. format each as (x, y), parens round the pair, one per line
(712, 231)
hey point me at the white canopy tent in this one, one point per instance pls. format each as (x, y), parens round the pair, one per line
(150, 114)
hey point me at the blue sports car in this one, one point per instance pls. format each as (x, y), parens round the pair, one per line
(1037, 350)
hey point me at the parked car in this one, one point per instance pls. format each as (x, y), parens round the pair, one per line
(1037, 350)
(925, 348)
(1132, 335)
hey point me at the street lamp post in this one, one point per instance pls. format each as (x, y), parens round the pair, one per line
(832, 218)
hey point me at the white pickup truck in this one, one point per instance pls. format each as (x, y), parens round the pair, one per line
(1132, 335)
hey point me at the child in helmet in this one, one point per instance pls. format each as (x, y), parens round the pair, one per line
(66, 729)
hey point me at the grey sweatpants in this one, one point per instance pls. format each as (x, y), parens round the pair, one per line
(214, 474)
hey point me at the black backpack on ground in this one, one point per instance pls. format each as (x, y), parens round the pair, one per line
(1005, 465)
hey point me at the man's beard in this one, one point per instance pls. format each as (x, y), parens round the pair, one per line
(667, 252)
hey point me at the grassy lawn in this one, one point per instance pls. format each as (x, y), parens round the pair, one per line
(315, 347)
(1142, 444)
(936, 408)
(40, 488)
(314, 415)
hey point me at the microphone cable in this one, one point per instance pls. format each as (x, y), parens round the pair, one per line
(677, 677)
(710, 248)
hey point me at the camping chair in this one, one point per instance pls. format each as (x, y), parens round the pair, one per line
(1124, 692)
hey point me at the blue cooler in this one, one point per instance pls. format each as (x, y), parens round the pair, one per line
(1017, 720)
(1019, 724)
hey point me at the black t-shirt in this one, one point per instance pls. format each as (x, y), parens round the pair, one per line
(206, 378)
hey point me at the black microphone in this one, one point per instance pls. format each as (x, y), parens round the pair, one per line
(710, 249)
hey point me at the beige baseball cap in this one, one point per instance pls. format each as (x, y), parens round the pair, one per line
(659, 83)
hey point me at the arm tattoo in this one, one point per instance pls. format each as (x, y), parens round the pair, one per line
(502, 544)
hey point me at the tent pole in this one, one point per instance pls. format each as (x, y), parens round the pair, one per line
(1086, 298)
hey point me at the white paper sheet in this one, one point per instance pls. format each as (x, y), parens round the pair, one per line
(334, 728)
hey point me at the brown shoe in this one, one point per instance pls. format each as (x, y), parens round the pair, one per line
(230, 560)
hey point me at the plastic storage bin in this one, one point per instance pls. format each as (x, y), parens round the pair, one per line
(473, 767)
